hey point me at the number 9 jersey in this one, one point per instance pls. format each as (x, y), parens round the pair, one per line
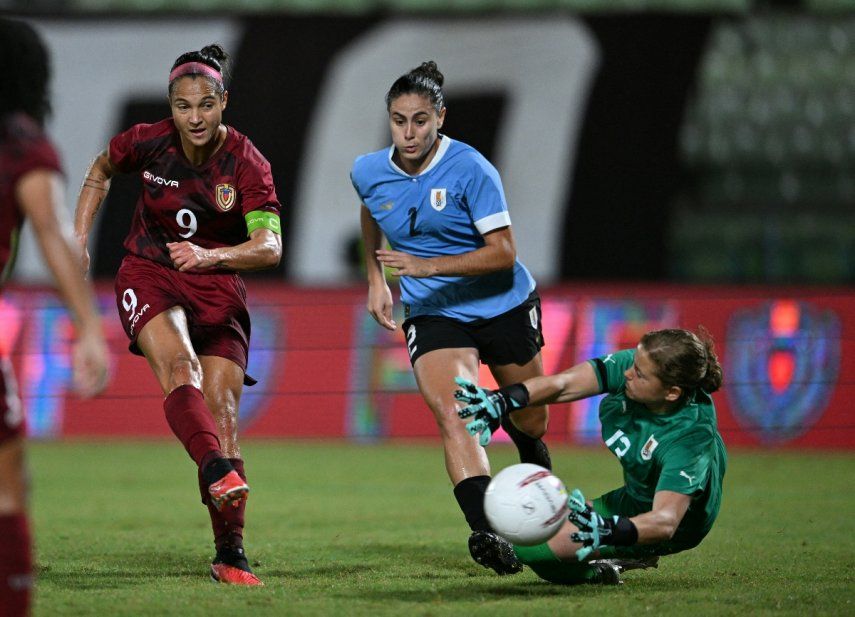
(210, 205)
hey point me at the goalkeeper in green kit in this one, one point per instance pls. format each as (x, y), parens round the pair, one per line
(658, 419)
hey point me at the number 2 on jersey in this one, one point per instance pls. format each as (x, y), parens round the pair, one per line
(187, 221)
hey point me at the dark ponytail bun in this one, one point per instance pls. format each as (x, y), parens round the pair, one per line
(424, 80)
(430, 71)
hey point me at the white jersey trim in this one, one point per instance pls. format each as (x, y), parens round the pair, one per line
(444, 145)
(494, 221)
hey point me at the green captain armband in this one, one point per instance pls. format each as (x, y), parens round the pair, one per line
(258, 219)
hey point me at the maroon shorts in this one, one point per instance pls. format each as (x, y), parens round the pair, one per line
(215, 305)
(11, 413)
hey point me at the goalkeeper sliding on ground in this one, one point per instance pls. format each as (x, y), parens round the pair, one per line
(658, 419)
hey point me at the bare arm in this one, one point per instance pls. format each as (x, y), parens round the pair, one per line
(263, 250)
(38, 194)
(577, 382)
(487, 407)
(379, 295)
(658, 525)
(94, 189)
(499, 253)
(662, 521)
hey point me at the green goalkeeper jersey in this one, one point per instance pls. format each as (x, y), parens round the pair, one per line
(680, 451)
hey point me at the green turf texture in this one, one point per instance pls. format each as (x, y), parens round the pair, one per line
(337, 529)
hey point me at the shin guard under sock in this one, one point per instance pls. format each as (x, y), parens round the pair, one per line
(470, 497)
(547, 566)
(16, 566)
(531, 450)
(192, 422)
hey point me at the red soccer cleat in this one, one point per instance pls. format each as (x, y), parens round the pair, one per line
(230, 575)
(228, 489)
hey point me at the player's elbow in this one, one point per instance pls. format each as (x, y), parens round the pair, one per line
(272, 253)
(274, 257)
(668, 526)
(508, 263)
(507, 256)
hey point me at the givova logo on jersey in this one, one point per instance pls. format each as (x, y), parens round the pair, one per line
(150, 177)
(782, 363)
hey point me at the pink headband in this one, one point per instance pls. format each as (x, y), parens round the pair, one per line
(195, 68)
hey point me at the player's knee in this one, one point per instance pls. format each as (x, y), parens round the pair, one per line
(446, 418)
(184, 370)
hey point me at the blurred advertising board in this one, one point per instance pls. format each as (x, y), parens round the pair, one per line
(326, 370)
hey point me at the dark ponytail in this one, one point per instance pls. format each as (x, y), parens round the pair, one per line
(714, 376)
(425, 80)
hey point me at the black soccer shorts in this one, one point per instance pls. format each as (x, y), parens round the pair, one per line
(514, 337)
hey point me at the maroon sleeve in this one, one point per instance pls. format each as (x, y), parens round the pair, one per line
(255, 183)
(24, 148)
(38, 154)
(123, 151)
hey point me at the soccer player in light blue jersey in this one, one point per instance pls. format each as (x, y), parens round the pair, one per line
(659, 420)
(467, 299)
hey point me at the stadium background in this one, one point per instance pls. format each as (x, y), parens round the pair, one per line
(665, 162)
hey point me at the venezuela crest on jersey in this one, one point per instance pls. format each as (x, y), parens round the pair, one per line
(226, 196)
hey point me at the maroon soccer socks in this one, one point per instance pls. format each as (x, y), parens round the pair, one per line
(191, 421)
(16, 566)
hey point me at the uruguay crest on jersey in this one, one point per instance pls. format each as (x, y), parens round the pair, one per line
(437, 199)
(226, 196)
(649, 447)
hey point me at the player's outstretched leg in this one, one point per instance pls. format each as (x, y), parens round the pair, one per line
(230, 564)
(486, 547)
(192, 422)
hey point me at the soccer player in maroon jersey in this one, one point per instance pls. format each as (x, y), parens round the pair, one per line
(30, 181)
(208, 210)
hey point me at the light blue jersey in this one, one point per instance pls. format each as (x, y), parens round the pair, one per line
(445, 210)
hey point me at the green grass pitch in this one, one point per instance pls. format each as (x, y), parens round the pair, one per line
(337, 529)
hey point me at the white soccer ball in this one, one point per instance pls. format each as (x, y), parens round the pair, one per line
(526, 504)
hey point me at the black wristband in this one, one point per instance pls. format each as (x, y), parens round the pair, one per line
(516, 396)
(624, 532)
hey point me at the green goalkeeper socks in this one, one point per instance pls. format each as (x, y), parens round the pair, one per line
(547, 566)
